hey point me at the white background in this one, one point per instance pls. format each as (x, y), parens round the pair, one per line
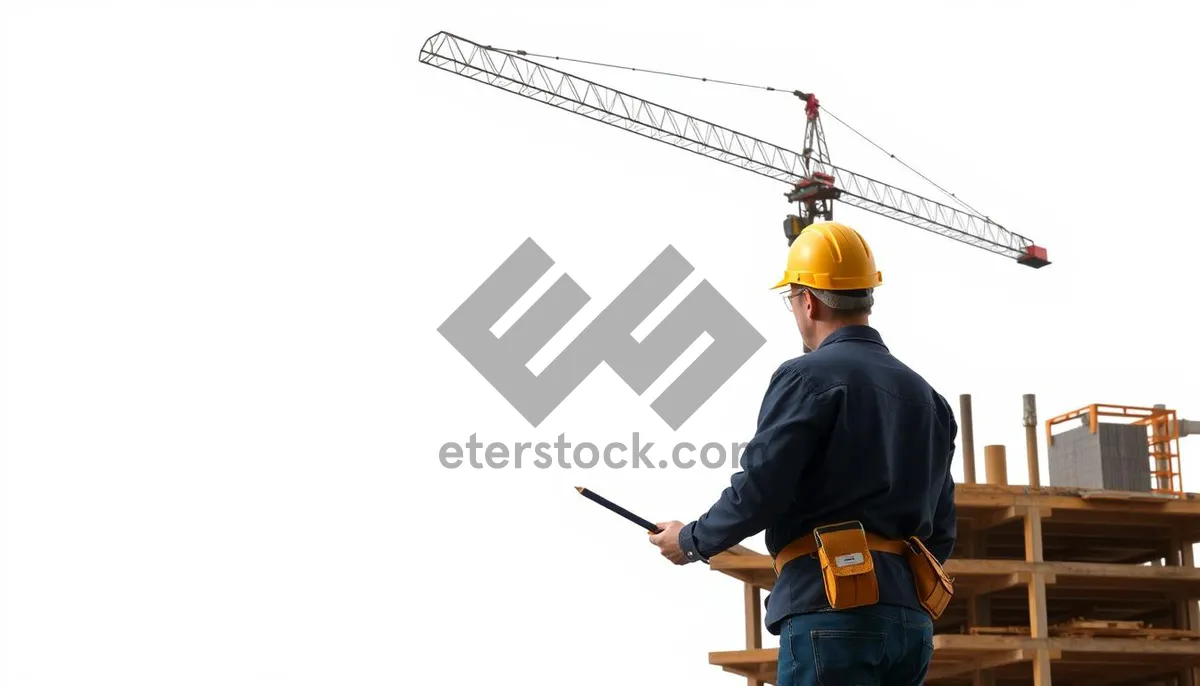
(232, 229)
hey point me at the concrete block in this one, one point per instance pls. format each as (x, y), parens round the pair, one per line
(1116, 457)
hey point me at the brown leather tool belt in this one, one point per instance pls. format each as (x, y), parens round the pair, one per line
(807, 545)
(848, 570)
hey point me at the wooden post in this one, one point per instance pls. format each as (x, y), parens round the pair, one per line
(979, 607)
(1038, 619)
(1188, 611)
(967, 428)
(995, 465)
(753, 624)
(1031, 447)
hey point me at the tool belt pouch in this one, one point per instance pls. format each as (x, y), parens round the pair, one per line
(934, 588)
(846, 566)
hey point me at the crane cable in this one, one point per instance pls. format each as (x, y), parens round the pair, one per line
(524, 53)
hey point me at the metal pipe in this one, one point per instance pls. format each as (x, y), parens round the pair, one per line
(996, 465)
(1188, 427)
(1031, 447)
(968, 437)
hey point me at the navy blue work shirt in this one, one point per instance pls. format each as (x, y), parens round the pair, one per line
(846, 432)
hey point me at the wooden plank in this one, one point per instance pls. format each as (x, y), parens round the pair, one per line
(970, 496)
(1081, 623)
(1126, 495)
(975, 644)
(1116, 632)
(1128, 646)
(1001, 659)
(1172, 508)
(973, 577)
(991, 584)
(989, 519)
(724, 562)
(743, 657)
(1114, 629)
(998, 631)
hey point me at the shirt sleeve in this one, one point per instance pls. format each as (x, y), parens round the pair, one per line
(945, 515)
(790, 425)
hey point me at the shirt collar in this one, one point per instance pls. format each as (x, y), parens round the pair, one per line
(856, 332)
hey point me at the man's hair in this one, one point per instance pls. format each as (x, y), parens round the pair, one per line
(845, 303)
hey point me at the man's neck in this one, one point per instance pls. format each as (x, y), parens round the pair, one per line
(827, 327)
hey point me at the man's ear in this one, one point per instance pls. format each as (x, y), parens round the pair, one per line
(810, 305)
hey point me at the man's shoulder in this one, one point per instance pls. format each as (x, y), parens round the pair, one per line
(811, 371)
(798, 367)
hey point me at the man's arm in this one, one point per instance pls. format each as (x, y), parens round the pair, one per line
(945, 524)
(945, 515)
(790, 425)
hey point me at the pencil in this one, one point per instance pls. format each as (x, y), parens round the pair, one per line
(601, 500)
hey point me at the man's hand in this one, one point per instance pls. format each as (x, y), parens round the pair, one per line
(668, 541)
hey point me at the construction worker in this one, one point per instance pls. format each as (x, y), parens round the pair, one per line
(846, 433)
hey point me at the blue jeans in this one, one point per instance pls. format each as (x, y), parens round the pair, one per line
(877, 645)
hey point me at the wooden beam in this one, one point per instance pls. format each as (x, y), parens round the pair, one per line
(1003, 516)
(1129, 646)
(996, 584)
(1038, 622)
(977, 577)
(743, 657)
(1001, 659)
(762, 676)
(726, 563)
(964, 643)
(973, 496)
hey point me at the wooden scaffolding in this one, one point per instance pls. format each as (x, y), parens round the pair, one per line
(1086, 587)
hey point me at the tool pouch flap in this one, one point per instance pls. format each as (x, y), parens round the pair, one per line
(846, 565)
(934, 588)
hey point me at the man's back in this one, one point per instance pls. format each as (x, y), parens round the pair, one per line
(883, 459)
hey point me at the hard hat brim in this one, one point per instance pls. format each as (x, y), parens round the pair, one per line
(823, 282)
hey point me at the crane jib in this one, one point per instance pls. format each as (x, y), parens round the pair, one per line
(516, 73)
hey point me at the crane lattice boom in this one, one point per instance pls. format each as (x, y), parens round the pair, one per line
(514, 73)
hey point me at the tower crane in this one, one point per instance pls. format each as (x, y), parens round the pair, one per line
(814, 181)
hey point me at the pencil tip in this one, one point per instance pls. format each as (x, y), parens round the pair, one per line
(579, 488)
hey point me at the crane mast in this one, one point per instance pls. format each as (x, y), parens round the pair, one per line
(815, 183)
(815, 193)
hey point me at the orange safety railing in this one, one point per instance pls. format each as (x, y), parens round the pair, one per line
(1162, 436)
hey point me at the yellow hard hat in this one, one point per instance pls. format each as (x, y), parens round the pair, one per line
(831, 256)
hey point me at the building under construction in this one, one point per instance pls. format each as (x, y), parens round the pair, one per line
(1089, 580)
